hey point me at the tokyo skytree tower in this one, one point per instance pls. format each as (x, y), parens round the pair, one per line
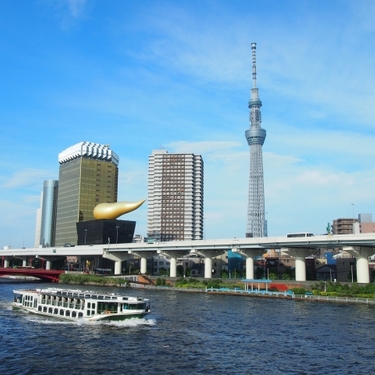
(256, 225)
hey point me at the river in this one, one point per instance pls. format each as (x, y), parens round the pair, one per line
(192, 333)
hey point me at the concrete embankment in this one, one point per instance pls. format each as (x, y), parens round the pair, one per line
(263, 294)
(283, 287)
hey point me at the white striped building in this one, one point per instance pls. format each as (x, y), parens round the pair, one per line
(175, 197)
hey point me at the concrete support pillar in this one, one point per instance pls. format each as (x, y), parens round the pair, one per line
(173, 267)
(173, 255)
(47, 261)
(143, 265)
(118, 267)
(6, 263)
(207, 268)
(250, 254)
(24, 260)
(361, 254)
(208, 255)
(363, 274)
(300, 263)
(249, 268)
(118, 258)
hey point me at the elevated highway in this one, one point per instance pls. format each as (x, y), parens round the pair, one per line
(361, 246)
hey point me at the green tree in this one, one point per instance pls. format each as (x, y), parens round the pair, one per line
(224, 274)
(163, 272)
(273, 276)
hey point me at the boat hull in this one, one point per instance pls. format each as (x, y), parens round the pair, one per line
(94, 318)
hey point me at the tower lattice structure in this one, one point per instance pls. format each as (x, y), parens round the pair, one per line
(256, 224)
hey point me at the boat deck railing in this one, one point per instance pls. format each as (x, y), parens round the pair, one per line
(85, 294)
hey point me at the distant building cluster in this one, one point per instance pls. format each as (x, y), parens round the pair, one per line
(88, 175)
(362, 224)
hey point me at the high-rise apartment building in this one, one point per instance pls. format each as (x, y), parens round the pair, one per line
(88, 176)
(175, 197)
(256, 223)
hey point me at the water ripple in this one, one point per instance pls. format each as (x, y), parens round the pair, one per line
(191, 333)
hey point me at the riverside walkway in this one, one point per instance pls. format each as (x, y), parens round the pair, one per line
(291, 295)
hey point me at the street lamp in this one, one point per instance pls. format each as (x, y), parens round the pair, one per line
(353, 219)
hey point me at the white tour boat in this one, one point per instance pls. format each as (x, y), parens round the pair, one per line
(77, 305)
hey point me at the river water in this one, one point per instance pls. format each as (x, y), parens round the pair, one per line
(192, 333)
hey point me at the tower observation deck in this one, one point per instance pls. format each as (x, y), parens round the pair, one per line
(256, 224)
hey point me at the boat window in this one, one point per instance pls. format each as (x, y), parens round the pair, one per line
(61, 312)
(80, 315)
(45, 309)
(50, 310)
(56, 311)
(74, 314)
(105, 307)
(137, 306)
(67, 313)
(39, 308)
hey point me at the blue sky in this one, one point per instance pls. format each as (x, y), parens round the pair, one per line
(145, 75)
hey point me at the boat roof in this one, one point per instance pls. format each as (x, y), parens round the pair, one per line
(58, 292)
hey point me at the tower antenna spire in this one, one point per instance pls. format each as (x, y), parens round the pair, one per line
(254, 61)
(256, 224)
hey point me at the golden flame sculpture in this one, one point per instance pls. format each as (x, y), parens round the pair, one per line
(116, 209)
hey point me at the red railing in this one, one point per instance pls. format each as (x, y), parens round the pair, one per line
(48, 275)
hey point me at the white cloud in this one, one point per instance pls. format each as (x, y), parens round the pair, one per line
(24, 178)
(76, 7)
(179, 76)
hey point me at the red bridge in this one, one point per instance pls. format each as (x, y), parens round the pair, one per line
(47, 275)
